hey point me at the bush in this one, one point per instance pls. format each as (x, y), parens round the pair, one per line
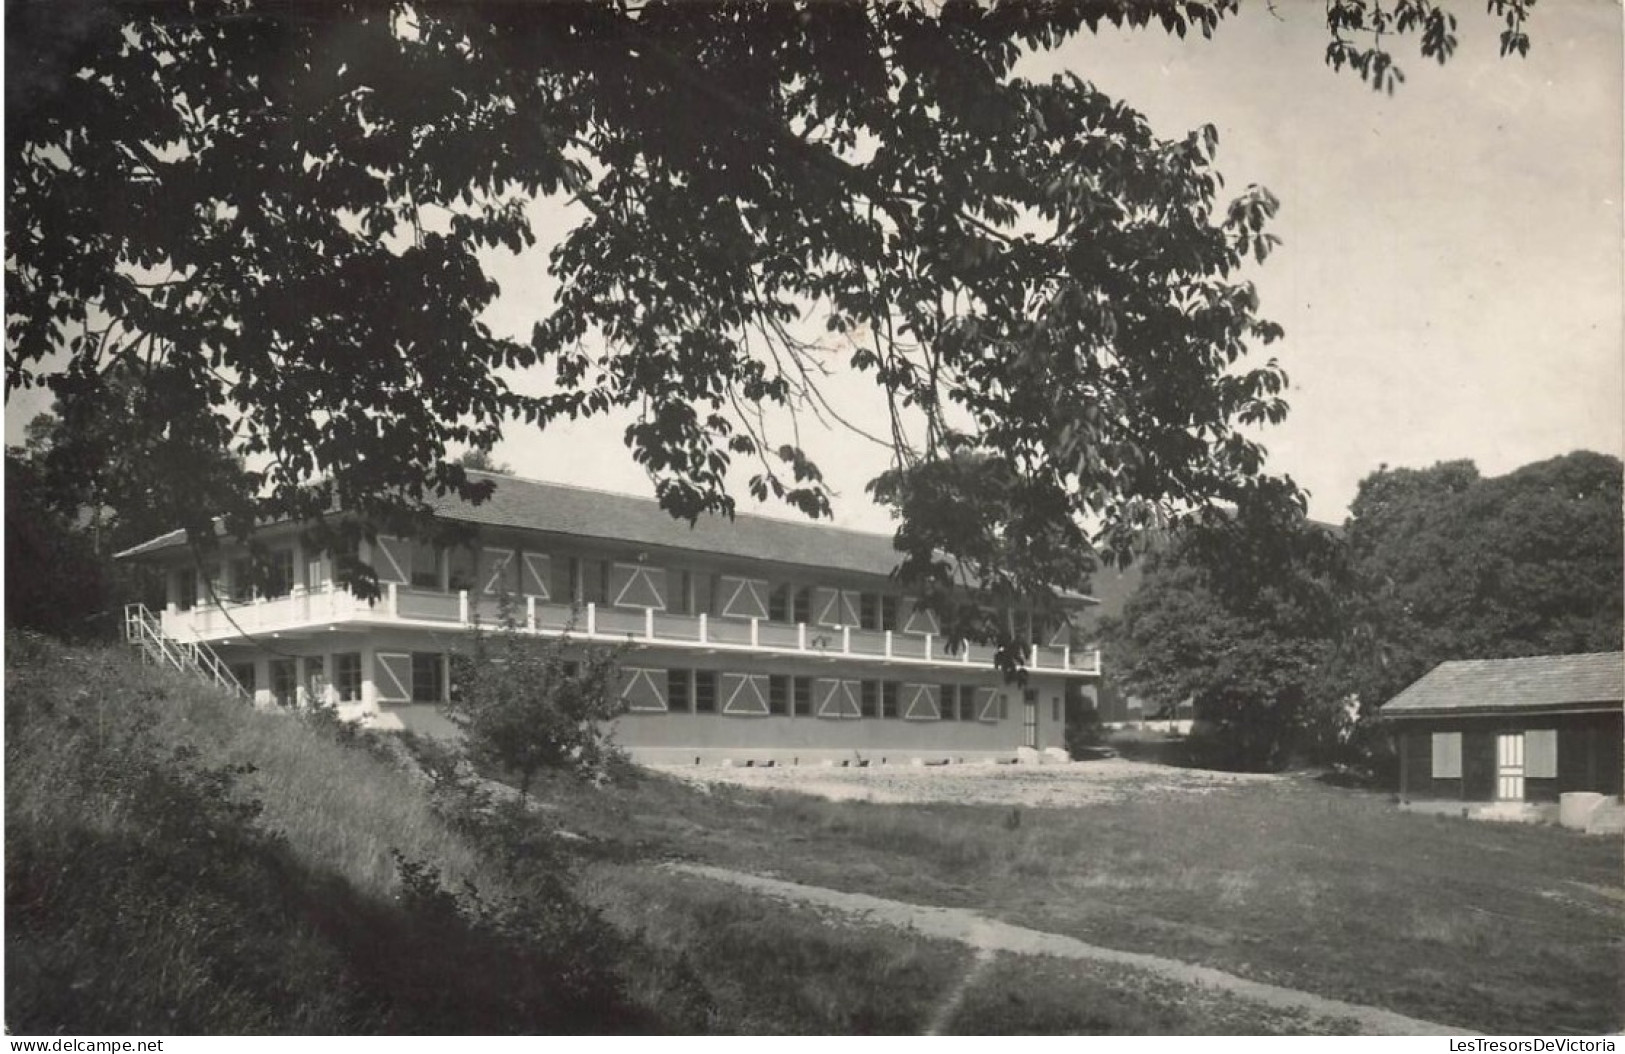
(525, 704)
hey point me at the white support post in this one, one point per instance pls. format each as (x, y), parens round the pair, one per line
(592, 618)
(393, 596)
(755, 634)
(888, 644)
(846, 640)
(703, 628)
(530, 614)
(1034, 663)
(801, 636)
(462, 606)
(1066, 656)
(649, 623)
(928, 646)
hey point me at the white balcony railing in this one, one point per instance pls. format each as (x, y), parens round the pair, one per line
(401, 605)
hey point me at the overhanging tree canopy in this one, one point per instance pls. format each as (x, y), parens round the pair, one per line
(282, 204)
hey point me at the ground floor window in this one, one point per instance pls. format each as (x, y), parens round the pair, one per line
(778, 694)
(428, 676)
(315, 680)
(284, 683)
(347, 676)
(705, 691)
(890, 692)
(244, 672)
(948, 702)
(801, 695)
(869, 698)
(678, 697)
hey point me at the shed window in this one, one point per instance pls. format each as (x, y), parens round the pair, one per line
(1540, 753)
(1447, 755)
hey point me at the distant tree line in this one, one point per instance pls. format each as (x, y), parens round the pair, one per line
(1286, 635)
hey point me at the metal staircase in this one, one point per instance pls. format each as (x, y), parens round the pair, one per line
(143, 629)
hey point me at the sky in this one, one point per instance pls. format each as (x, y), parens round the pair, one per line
(1450, 279)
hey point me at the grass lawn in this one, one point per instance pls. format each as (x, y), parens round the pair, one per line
(1501, 928)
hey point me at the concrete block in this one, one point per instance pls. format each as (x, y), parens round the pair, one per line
(1574, 809)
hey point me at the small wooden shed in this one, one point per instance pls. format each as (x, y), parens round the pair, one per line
(1512, 730)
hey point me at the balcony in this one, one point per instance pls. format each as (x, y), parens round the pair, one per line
(304, 612)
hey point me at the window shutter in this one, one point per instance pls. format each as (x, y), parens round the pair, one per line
(918, 620)
(1447, 755)
(836, 698)
(644, 691)
(1540, 753)
(827, 606)
(744, 597)
(390, 559)
(921, 702)
(637, 586)
(496, 571)
(392, 677)
(987, 704)
(744, 693)
(536, 572)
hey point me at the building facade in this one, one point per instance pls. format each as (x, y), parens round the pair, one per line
(749, 640)
(1512, 730)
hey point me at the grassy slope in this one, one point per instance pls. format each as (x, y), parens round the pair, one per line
(144, 893)
(1498, 927)
(155, 884)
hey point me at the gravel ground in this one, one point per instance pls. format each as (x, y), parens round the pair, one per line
(1078, 783)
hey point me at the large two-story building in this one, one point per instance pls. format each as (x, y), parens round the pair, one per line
(747, 640)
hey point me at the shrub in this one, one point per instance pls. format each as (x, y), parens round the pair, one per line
(525, 704)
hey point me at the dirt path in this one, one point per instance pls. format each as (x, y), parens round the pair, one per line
(990, 935)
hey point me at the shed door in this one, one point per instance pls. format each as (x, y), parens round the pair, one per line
(1509, 766)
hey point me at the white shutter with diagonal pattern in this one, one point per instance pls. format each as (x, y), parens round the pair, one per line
(835, 607)
(392, 677)
(744, 597)
(987, 704)
(536, 571)
(637, 586)
(920, 702)
(744, 693)
(496, 571)
(836, 698)
(643, 690)
(392, 560)
(918, 620)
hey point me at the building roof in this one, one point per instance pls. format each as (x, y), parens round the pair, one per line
(559, 508)
(1540, 682)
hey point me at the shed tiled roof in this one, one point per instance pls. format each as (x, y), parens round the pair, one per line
(529, 504)
(1536, 683)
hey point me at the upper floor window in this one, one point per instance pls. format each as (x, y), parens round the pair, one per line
(425, 565)
(869, 611)
(242, 579)
(279, 573)
(462, 569)
(780, 602)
